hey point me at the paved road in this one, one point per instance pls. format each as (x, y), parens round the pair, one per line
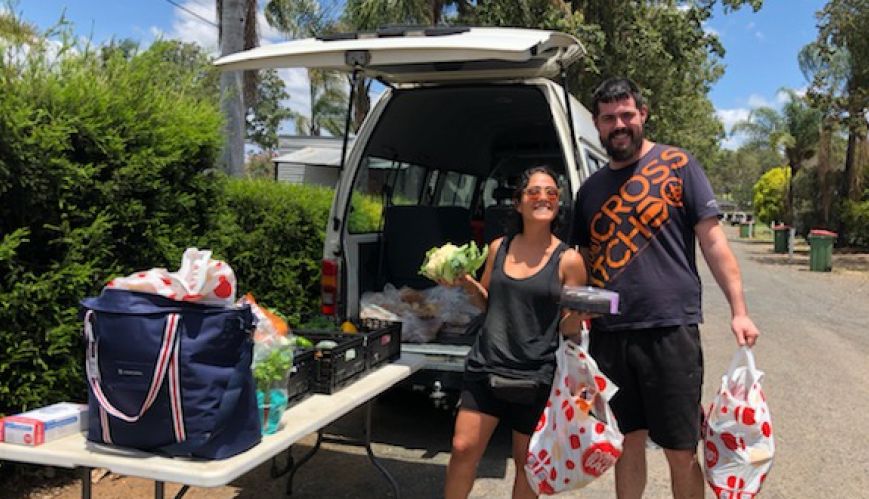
(814, 348)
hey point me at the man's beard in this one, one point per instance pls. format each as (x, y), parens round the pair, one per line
(623, 154)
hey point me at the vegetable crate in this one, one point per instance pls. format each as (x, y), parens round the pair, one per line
(381, 339)
(302, 375)
(338, 366)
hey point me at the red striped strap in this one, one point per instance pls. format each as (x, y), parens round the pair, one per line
(167, 349)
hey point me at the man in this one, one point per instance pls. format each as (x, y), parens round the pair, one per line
(637, 219)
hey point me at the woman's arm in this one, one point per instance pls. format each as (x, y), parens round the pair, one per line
(572, 272)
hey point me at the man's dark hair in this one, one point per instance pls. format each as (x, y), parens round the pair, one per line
(613, 90)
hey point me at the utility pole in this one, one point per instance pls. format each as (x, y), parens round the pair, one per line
(231, 97)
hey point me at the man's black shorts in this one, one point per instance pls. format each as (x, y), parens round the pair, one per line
(477, 396)
(659, 373)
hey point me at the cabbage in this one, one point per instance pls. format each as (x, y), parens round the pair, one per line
(450, 261)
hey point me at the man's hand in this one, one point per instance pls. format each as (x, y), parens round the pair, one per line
(744, 329)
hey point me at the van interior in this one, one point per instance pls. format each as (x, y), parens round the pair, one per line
(441, 166)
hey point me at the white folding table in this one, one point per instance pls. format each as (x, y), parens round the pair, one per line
(310, 415)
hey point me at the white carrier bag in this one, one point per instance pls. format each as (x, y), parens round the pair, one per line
(738, 440)
(577, 438)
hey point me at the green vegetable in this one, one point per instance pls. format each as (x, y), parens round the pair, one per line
(450, 261)
(272, 368)
(301, 341)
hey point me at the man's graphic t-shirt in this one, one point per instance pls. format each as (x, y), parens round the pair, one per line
(638, 224)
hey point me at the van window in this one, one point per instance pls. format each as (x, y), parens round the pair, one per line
(594, 163)
(404, 181)
(457, 190)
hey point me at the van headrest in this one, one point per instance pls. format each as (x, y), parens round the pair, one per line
(502, 193)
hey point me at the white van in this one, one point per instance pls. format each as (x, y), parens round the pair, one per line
(465, 111)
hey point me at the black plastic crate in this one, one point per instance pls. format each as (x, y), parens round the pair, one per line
(339, 366)
(382, 341)
(302, 375)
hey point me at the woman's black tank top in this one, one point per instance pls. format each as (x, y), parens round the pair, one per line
(519, 336)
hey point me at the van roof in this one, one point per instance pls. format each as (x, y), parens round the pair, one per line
(413, 55)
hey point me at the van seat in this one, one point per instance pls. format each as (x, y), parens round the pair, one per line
(410, 231)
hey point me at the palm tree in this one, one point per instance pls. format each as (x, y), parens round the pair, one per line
(304, 19)
(793, 133)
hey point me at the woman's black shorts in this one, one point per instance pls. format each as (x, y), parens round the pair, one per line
(478, 396)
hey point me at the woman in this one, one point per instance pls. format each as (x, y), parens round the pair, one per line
(509, 371)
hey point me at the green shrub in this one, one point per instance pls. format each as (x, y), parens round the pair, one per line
(104, 166)
(769, 195)
(274, 242)
(856, 218)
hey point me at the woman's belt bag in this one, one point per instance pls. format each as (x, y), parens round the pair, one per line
(169, 377)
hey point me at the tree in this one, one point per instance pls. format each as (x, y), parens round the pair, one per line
(794, 132)
(839, 65)
(661, 45)
(264, 117)
(304, 19)
(769, 194)
(231, 18)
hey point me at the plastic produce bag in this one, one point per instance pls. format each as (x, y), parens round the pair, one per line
(738, 439)
(576, 439)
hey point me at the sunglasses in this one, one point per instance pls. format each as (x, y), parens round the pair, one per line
(537, 192)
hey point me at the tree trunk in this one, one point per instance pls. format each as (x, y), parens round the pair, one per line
(361, 102)
(231, 94)
(824, 186)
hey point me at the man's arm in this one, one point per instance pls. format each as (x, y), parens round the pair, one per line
(724, 267)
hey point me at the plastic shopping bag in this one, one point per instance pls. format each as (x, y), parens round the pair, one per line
(738, 440)
(200, 279)
(577, 438)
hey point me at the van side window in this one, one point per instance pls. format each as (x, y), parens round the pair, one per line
(376, 180)
(594, 163)
(457, 190)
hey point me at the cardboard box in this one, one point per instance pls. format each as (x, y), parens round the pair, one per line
(44, 424)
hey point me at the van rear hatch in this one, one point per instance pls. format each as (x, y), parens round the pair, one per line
(419, 55)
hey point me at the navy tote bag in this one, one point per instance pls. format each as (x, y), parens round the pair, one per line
(169, 377)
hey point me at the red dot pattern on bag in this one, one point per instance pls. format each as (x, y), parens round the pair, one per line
(568, 410)
(582, 430)
(141, 275)
(569, 464)
(553, 474)
(599, 428)
(224, 288)
(724, 410)
(748, 416)
(581, 355)
(711, 455)
(600, 382)
(574, 441)
(167, 281)
(729, 441)
(599, 458)
(546, 489)
(189, 297)
(110, 284)
(557, 392)
(766, 429)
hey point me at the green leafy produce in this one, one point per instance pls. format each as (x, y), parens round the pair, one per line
(301, 341)
(272, 368)
(450, 261)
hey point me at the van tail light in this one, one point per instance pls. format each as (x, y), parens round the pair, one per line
(328, 287)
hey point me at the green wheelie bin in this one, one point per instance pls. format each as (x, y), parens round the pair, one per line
(780, 241)
(821, 250)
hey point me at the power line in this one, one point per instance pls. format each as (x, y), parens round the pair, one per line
(194, 14)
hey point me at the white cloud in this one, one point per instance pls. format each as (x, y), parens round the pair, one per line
(759, 35)
(188, 27)
(709, 30)
(750, 26)
(729, 117)
(755, 100)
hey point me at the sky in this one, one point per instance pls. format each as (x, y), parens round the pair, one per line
(761, 48)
